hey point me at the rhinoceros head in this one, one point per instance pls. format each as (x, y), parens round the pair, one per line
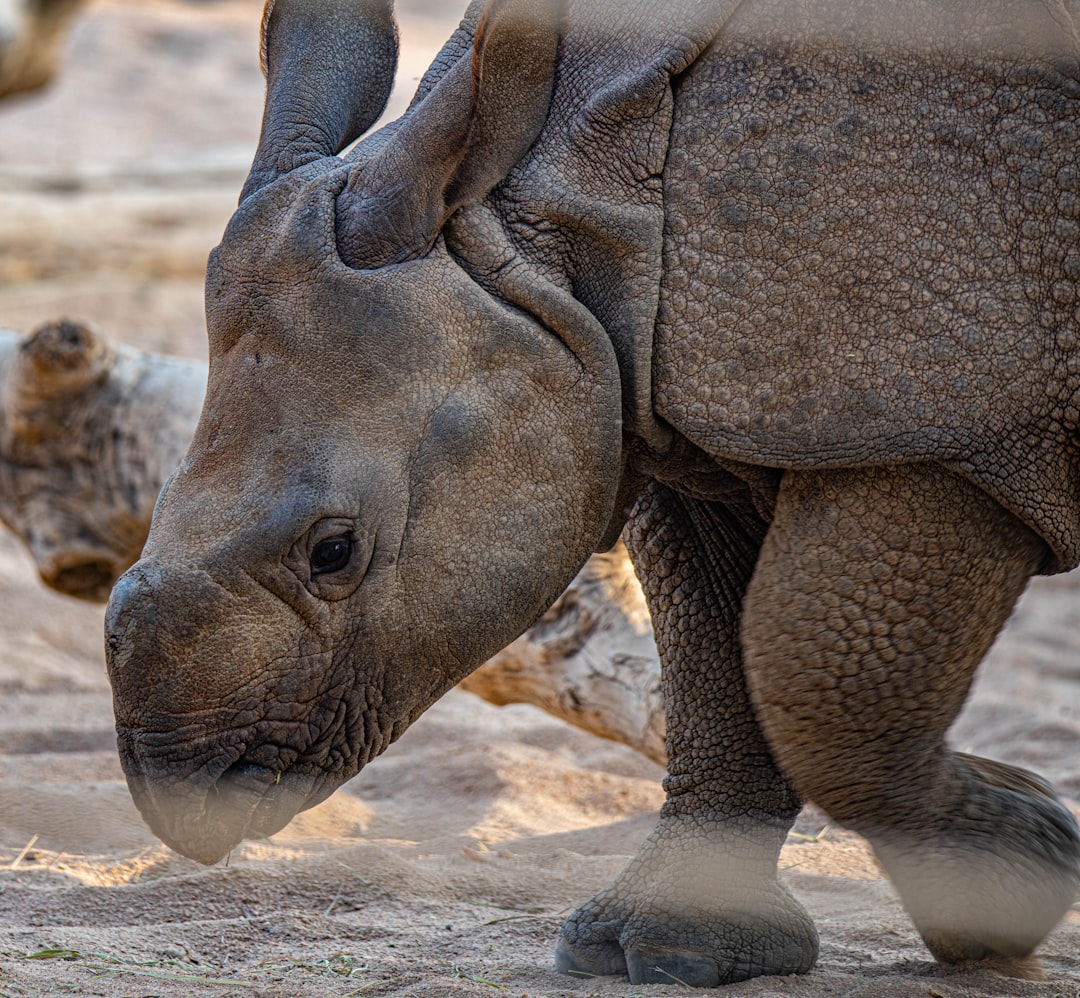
(394, 472)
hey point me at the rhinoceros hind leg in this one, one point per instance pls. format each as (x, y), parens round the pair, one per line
(1001, 880)
(877, 594)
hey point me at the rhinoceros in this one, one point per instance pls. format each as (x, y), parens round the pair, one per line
(784, 290)
(31, 35)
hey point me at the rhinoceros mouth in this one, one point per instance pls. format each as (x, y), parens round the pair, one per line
(248, 802)
(205, 814)
(262, 802)
(208, 784)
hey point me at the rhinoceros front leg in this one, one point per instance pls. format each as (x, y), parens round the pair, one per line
(877, 593)
(701, 903)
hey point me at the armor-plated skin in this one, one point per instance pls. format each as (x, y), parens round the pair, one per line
(783, 288)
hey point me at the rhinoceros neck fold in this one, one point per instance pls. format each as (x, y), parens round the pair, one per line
(587, 217)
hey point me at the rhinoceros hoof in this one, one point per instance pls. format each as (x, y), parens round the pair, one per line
(618, 934)
(999, 880)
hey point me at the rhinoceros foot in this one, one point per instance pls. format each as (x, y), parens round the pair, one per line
(614, 933)
(694, 910)
(995, 873)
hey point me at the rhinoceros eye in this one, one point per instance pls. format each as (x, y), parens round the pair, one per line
(331, 555)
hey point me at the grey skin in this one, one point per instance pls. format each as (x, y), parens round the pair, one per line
(32, 33)
(787, 289)
(88, 432)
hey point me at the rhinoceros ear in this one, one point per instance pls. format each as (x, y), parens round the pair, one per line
(459, 141)
(329, 67)
(60, 359)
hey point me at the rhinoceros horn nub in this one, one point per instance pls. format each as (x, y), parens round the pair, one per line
(329, 68)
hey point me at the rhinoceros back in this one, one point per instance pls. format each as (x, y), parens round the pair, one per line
(870, 246)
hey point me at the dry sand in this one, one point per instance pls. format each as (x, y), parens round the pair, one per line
(446, 867)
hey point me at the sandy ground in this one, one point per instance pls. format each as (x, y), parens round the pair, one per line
(446, 867)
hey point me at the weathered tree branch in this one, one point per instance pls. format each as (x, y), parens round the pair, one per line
(590, 660)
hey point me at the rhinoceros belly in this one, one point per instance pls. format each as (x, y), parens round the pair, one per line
(871, 254)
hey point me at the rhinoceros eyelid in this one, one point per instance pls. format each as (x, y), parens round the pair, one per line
(333, 556)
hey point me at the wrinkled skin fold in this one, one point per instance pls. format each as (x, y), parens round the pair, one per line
(784, 291)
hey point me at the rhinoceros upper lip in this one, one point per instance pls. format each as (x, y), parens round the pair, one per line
(243, 788)
(244, 804)
(205, 815)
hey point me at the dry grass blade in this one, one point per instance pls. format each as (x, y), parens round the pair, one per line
(820, 837)
(666, 973)
(22, 855)
(162, 976)
(102, 965)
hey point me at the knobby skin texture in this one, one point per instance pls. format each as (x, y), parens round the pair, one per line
(782, 290)
(80, 468)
